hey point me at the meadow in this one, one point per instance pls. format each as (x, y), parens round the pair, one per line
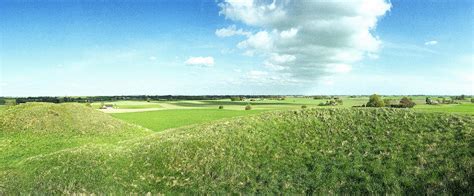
(276, 147)
(71, 148)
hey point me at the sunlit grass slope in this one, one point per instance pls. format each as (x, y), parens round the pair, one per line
(324, 150)
(36, 129)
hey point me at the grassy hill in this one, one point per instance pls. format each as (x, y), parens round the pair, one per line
(301, 151)
(36, 129)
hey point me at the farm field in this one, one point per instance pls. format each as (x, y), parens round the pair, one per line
(289, 103)
(71, 148)
(165, 119)
(181, 113)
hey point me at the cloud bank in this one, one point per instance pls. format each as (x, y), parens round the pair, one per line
(306, 39)
(200, 61)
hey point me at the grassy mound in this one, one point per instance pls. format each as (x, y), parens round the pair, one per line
(43, 118)
(36, 129)
(325, 150)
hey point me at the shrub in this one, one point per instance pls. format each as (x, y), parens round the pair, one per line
(405, 102)
(328, 103)
(428, 100)
(375, 101)
(221, 107)
(387, 102)
(10, 102)
(2, 101)
(472, 100)
(304, 107)
(236, 99)
(248, 107)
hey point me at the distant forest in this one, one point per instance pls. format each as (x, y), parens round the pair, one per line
(86, 99)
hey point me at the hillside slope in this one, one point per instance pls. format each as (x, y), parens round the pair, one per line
(324, 150)
(36, 129)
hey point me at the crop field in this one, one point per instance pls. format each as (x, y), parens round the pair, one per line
(71, 148)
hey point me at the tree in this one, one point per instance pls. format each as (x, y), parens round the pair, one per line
(387, 102)
(10, 102)
(248, 107)
(375, 101)
(2, 101)
(405, 102)
(235, 99)
(221, 107)
(428, 100)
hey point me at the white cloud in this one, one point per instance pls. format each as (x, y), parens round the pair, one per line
(338, 68)
(260, 41)
(308, 39)
(200, 61)
(431, 43)
(231, 31)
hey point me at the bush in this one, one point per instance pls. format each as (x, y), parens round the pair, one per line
(387, 102)
(10, 102)
(304, 107)
(428, 100)
(236, 99)
(405, 102)
(221, 107)
(375, 101)
(472, 100)
(2, 101)
(248, 107)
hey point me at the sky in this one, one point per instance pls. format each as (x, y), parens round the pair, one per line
(217, 47)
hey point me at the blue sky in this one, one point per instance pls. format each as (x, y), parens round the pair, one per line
(58, 48)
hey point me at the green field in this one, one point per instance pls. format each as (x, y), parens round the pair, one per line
(465, 107)
(165, 119)
(129, 104)
(70, 148)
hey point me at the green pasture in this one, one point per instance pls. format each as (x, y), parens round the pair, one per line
(289, 103)
(128, 104)
(165, 119)
(464, 108)
(72, 149)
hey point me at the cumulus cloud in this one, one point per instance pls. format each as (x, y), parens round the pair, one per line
(231, 31)
(431, 43)
(200, 61)
(307, 39)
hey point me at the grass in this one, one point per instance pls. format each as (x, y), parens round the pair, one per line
(129, 104)
(464, 108)
(36, 129)
(289, 103)
(165, 119)
(363, 150)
